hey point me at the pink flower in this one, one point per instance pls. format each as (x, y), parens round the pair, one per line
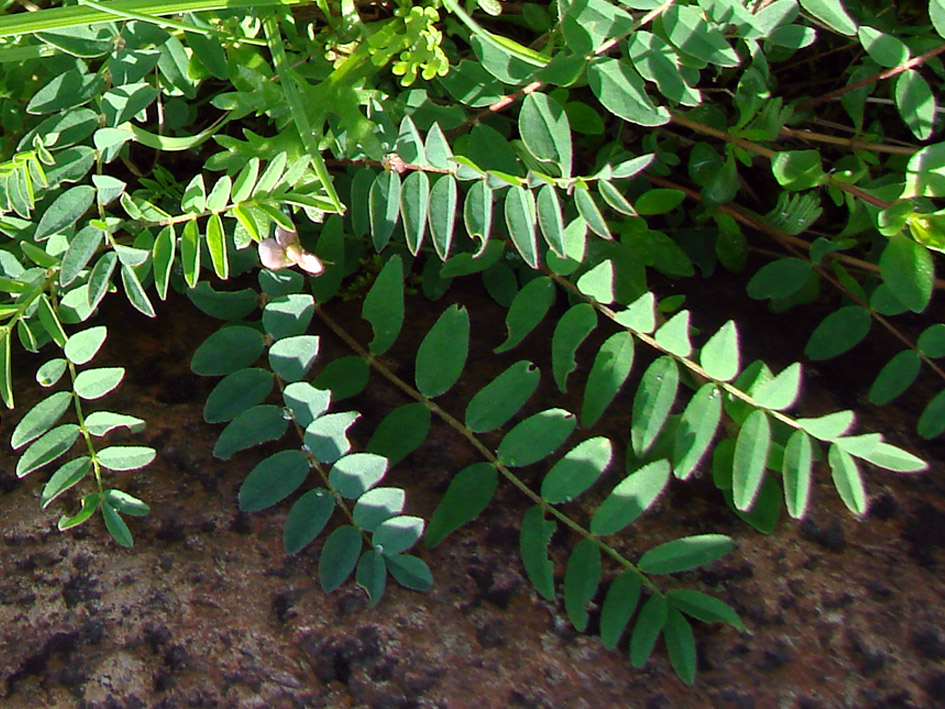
(284, 250)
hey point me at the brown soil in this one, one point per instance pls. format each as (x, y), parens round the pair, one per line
(207, 611)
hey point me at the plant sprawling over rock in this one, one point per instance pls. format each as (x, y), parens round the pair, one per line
(561, 154)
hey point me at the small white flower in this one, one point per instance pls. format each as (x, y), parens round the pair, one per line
(284, 250)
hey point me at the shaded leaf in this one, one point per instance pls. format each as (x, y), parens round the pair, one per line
(581, 580)
(469, 493)
(536, 437)
(533, 544)
(652, 403)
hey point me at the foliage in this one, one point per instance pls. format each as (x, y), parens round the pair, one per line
(561, 154)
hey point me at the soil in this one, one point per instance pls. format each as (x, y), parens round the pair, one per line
(207, 611)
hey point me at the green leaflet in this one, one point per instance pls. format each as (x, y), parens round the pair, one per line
(371, 575)
(895, 377)
(414, 208)
(288, 316)
(545, 131)
(409, 571)
(550, 220)
(401, 432)
(67, 476)
(190, 252)
(468, 494)
(840, 331)
(703, 607)
(500, 399)
(673, 335)
(908, 270)
(831, 13)
(781, 392)
(272, 480)
(306, 519)
(932, 421)
(326, 437)
(796, 473)
(572, 329)
(696, 429)
(377, 505)
(477, 212)
(685, 553)
(646, 630)
(339, 557)
(122, 458)
(631, 498)
(620, 89)
(521, 219)
(536, 437)
(640, 315)
(847, 479)
(353, 475)
(590, 212)
(442, 354)
(581, 580)
(751, 457)
(42, 417)
(577, 470)
(608, 373)
(216, 242)
(96, 383)
(227, 350)
(292, 357)
(384, 207)
(82, 248)
(652, 403)
(533, 544)
(443, 200)
(47, 448)
(162, 253)
(384, 306)
(344, 377)
(529, 307)
(397, 534)
(619, 604)
(680, 645)
(690, 33)
(598, 283)
(236, 393)
(250, 428)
